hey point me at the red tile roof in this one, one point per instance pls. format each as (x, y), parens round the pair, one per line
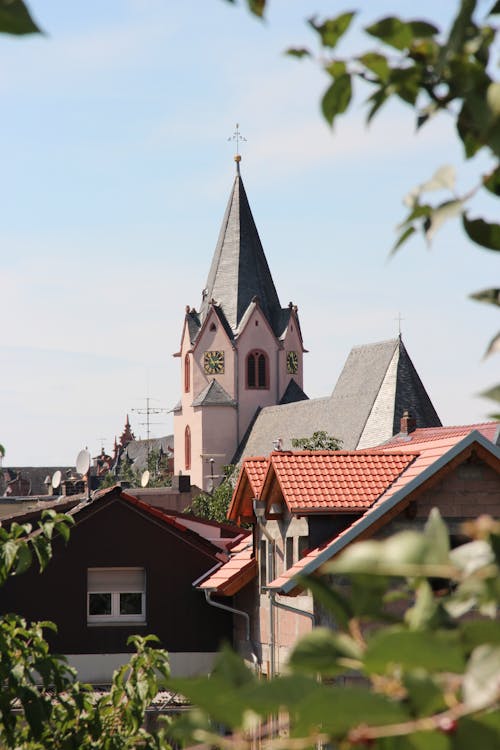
(437, 446)
(490, 430)
(336, 480)
(236, 573)
(248, 486)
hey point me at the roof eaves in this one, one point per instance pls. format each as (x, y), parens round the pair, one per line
(385, 506)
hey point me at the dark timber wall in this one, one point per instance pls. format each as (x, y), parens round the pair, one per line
(113, 533)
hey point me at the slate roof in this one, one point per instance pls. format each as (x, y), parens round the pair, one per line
(378, 382)
(36, 476)
(239, 269)
(137, 450)
(214, 395)
(293, 393)
(324, 481)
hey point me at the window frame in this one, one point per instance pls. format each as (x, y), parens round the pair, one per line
(187, 373)
(115, 590)
(254, 374)
(187, 448)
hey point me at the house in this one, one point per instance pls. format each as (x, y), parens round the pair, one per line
(127, 569)
(242, 367)
(305, 507)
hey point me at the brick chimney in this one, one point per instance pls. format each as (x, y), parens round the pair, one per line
(408, 423)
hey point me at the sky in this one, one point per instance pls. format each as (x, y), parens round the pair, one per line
(115, 172)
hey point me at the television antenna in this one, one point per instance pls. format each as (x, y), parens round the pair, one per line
(148, 411)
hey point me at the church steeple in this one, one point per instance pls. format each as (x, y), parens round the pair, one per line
(239, 270)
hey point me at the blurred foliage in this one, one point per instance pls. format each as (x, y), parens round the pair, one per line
(412, 663)
(42, 704)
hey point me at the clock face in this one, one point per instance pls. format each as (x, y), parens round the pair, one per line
(292, 362)
(213, 363)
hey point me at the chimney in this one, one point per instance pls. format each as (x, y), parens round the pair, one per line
(408, 423)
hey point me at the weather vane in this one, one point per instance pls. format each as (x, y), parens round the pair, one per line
(236, 136)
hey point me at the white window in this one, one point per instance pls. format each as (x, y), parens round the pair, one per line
(116, 595)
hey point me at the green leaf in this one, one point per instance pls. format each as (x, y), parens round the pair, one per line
(257, 7)
(492, 182)
(493, 393)
(441, 214)
(318, 652)
(481, 679)
(377, 64)
(337, 98)
(422, 29)
(482, 732)
(336, 68)
(16, 19)
(482, 233)
(493, 98)
(492, 296)
(478, 632)
(329, 598)
(331, 30)
(424, 694)
(24, 559)
(337, 709)
(298, 52)
(493, 347)
(392, 31)
(436, 533)
(434, 651)
(231, 668)
(419, 616)
(402, 239)
(378, 98)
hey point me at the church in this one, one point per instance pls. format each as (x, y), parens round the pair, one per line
(241, 367)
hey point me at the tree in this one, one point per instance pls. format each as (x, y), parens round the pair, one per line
(433, 73)
(42, 704)
(319, 441)
(213, 505)
(414, 677)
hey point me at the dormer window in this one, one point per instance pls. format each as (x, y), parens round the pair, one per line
(257, 370)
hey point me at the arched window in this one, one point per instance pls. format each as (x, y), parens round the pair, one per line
(187, 448)
(187, 374)
(257, 370)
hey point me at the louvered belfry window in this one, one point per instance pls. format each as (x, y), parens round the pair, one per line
(257, 370)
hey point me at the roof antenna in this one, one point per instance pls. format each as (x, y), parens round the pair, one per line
(236, 136)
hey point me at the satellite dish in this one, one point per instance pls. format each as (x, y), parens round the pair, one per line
(145, 478)
(83, 462)
(56, 479)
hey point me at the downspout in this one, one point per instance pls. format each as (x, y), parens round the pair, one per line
(234, 611)
(272, 631)
(288, 608)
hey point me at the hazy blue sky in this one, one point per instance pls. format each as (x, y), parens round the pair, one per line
(115, 172)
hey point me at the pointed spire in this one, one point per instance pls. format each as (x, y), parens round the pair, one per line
(127, 434)
(239, 270)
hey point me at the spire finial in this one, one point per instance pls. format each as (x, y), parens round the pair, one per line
(236, 136)
(399, 319)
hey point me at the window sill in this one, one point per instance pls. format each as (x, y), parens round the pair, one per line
(118, 624)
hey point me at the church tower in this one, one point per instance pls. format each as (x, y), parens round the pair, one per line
(240, 352)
